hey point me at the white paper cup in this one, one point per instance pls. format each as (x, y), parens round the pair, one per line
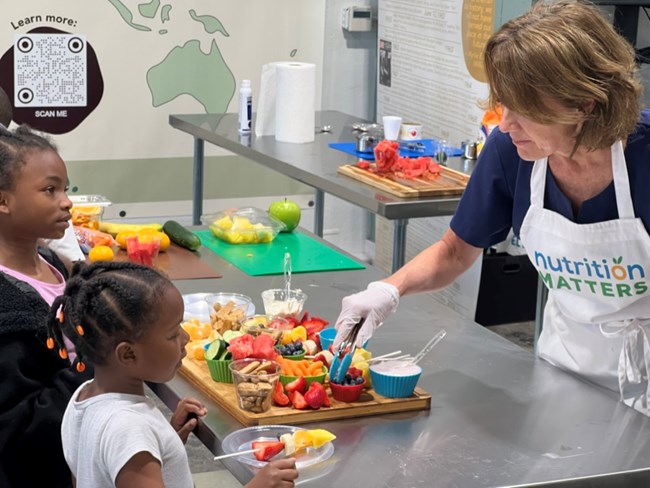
(410, 131)
(391, 127)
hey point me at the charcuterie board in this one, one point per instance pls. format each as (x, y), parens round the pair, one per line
(370, 402)
(449, 183)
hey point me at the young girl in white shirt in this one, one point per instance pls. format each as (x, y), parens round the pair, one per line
(125, 320)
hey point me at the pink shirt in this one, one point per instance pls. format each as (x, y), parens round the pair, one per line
(48, 291)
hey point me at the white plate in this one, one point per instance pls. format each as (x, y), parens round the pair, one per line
(197, 308)
(241, 440)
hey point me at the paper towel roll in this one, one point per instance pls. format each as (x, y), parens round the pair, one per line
(295, 112)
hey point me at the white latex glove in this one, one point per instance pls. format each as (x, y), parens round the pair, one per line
(375, 303)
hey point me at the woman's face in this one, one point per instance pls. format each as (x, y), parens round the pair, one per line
(534, 140)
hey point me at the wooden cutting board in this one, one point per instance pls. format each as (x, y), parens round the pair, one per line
(450, 182)
(178, 263)
(370, 402)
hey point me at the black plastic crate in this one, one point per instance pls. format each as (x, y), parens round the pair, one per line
(508, 290)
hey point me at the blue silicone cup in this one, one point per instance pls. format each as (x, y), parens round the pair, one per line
(327, 337)
(394, 386)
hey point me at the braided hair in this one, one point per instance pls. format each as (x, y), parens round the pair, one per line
(14, 147)
(104, 304)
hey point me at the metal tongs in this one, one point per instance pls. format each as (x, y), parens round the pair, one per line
(343, 356)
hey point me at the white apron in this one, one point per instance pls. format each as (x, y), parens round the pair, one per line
(596, 318)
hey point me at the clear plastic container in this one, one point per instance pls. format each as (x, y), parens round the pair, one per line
(277, 303)
(248, 225)
(255, 381)
(87, 210)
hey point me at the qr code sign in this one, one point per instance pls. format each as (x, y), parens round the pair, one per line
(50, 70)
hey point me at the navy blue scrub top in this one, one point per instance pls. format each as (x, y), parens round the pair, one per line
(498, 193)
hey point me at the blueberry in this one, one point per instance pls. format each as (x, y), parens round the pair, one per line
(359, 380)
(298, 345)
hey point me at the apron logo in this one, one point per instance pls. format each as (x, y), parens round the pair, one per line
(607, 278)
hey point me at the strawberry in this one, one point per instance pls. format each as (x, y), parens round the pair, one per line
(279, 397)
(299, 385)
(267, 449)
(298, 400)
(315, 395)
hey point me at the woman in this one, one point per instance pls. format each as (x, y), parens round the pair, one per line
(568, 170)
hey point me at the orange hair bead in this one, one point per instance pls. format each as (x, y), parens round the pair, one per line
(50, 343)
(63, 353)
(80, 330)
(61, 316)
(81, 367)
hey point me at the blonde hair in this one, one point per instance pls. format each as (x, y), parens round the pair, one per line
(567, 52)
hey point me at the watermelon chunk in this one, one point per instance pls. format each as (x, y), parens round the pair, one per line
(263, 347)
(267, 449)
(241, 347)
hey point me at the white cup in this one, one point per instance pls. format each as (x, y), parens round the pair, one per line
(391, 127)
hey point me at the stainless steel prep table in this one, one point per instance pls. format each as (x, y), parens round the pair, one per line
(499, 417)
(314, 164)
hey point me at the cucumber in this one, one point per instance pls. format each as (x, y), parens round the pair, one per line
(215, 350)
(181, 236)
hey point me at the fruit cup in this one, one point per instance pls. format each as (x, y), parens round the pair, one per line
(142, 249)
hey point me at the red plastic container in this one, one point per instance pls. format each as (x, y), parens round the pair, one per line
(347, 393)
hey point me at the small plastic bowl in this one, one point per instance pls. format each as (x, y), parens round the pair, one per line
(347, 393)
(395, 379)
(248, 225)
(259, 324)
(220, 370)
(240, 309)
(286, 379)
(278, 304)
(254, 390)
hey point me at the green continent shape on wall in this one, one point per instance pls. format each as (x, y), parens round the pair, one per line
(164, 13)
(177, 75)
(127, 15)
(210, 24)
(149, 9)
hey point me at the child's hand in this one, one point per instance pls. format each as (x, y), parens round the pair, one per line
(276, 474)
(185, 417)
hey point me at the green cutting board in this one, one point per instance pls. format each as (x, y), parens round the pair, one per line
(307, 254)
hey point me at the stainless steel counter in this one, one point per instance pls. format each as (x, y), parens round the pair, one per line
(499, 417)
(314, 164)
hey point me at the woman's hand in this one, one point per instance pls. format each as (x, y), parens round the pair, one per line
(185, 417)
(374, 304)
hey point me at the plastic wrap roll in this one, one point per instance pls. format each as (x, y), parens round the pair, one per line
(295, 112)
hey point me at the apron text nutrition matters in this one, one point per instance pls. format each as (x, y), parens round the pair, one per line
(614, 279)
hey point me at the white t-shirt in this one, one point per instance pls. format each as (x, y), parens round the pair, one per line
(101, 434)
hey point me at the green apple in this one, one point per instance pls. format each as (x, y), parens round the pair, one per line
(286, 211)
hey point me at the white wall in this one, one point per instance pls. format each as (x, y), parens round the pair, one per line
(349, 74)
